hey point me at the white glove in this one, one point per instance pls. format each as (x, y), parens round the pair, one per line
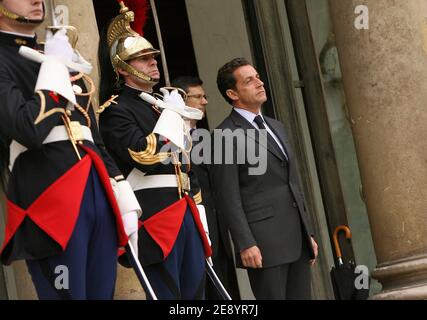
(80, 63)
(204, 220)
(58, 45)
(53, 75)
(129, 209)
(174, 102)
(114, 187)
(171, 121)
(173, 98)
(130, 223)
(126, 198)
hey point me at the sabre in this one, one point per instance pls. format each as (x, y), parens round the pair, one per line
(81, 65)
(162, 48)
(52, 13)
(142, 277)
(71, 30)
(38, 57)
(215, 280)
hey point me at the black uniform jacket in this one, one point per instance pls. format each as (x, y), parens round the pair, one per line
(127, 129)
(36, 169)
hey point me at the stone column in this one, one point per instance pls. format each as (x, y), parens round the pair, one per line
(384, 72)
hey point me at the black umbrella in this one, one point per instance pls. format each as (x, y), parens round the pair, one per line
(343, 275)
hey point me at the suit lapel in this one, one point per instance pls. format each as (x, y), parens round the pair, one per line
(241, 122)
(280, 134)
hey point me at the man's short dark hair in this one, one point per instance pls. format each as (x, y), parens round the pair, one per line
(186, 82)
(225, 79)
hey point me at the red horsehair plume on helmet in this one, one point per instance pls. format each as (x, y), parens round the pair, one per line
(140, 9)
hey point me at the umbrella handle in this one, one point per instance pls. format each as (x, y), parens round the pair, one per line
(336, 242)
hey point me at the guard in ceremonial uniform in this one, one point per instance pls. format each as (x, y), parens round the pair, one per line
(173, 241)
(63, 216)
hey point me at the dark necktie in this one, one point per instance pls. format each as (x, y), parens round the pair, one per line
(260, 122)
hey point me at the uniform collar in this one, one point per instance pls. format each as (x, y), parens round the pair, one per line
(135, 90)
(17, 39)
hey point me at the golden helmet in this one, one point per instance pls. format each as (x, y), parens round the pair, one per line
(126, 44)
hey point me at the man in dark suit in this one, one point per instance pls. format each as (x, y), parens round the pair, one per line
(264, 210)
(222, 254)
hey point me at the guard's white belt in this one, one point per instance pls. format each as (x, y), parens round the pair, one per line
(58, 133)
(139, 181)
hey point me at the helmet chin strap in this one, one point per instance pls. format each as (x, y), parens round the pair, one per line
(21, 19)
(139, 74)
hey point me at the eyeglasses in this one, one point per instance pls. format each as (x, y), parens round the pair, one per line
(197, 96)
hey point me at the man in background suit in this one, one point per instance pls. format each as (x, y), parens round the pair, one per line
(264, 212)
(222, 255)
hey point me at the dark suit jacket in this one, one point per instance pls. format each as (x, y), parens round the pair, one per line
(266, 210)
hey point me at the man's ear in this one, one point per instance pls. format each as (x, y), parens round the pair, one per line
(232, 94)
(122, 72)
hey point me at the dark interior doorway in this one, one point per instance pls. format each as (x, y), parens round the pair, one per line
(176, 34)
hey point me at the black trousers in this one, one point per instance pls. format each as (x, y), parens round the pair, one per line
(291, 281)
